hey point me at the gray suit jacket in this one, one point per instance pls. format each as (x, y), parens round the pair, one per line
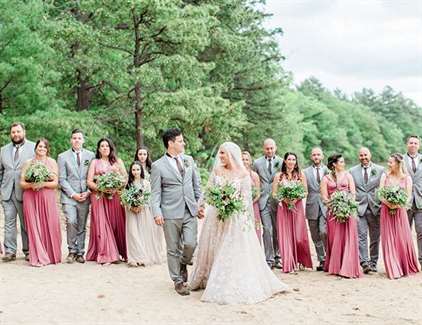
(170, 192)
(366, 195)
(314, 201)
(260, 166)
(10, 172)
(72, 178)
(416, 179)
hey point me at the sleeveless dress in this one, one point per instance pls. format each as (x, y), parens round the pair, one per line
(342, 239)
(230, 263)
(42, 223)
(293, 236)
(396, 241)
(145, 239)
(107, 238)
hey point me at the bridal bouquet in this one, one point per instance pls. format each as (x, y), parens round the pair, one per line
(226, 199)
(37, 172)
(108, 182)
(135, 197)
(394, 195)
(255, 192)
(293, 190)
(342, 206)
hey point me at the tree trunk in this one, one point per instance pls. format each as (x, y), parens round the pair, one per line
(84, 92)
(138, 115)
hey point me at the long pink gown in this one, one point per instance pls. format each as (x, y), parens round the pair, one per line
(342, 239)
(396, 241)
(293, 237)
(107, 238)
(42, 223)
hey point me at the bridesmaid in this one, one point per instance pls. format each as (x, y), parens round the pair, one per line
(145, 239)
(40, 211)
(291, 226)
(247, 161)
(107, 230)
(342, 238)
(143, 155)
(396, 240)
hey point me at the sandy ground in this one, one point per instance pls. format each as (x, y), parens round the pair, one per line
(116, 294)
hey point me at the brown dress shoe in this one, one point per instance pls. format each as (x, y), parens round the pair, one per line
(70, 258)
(181, 289)
(27, 257)
(184, 272)
(9, 257)
(80, 259)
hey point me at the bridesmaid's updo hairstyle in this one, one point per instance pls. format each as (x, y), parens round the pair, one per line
(399, 159)
(112, 156)
(332, 160)
(46, 143)
(131, 177)
(296, 170)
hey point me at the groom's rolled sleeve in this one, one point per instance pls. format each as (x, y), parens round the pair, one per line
(156, 192)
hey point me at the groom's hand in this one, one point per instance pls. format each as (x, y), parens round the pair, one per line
(159, 220)
(201, 212)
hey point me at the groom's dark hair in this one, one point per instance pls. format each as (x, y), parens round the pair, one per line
(170, 135)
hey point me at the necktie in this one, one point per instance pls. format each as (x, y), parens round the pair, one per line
(16, 157)
(365, 175)
(78, 159)
(413, 164)
(179, 167)
(270, 167)
(318, 176)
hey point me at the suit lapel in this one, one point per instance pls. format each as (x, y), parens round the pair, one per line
(73, 162)
(172, 170)
(10, 154)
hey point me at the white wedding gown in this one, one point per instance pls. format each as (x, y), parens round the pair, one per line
(230, 263)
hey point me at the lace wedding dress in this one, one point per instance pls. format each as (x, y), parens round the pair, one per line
(230, 264)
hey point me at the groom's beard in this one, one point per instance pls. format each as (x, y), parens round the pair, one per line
(18, 141)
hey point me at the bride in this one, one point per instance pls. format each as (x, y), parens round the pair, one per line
(230, 263)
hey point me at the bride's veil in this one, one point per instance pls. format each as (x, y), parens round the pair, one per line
(235, 155)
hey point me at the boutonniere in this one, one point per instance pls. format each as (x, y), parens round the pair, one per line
(186, 163)
(277, 164)
(420, 160)
(373, 172)
(86, 162)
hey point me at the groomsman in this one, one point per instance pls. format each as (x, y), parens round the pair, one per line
(12, 157)
(73, 169)
(414, 169)
(367, 176)
(266, 167)
(316, 212)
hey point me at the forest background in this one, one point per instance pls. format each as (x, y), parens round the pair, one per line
(129, 69)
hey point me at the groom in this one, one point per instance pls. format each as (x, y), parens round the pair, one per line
(176, 190)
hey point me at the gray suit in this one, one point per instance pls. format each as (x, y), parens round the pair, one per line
(268, 207)
(415, 212)
(368, 211)
(175, 198)
(72, 179)
(11, 193)
(316, 212)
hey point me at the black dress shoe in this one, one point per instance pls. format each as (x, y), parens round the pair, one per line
(9, 257)
(320, 267)
(366, 269)
(184, 272)
(277, 265)
(373, 268)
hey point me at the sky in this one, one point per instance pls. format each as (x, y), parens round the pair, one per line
(352, 44)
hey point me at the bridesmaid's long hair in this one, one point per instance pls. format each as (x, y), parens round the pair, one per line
(332, 160)
(131, 178)
(296, 169)
(148, 162)
(247, 154)
(398, 157)
(47, 145)
(112, 156)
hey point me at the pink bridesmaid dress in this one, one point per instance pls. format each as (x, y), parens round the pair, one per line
(107, 238)
(396, 241)
(293, 237)
(258, 225)
(342, 256)
(42, 223)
